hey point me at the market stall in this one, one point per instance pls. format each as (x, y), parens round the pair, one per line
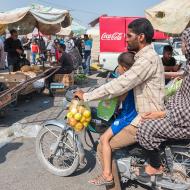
(48, 21)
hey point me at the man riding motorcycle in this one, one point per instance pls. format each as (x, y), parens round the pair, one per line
(146, 77)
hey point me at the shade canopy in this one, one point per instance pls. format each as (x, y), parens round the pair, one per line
(47, 19)
(93, 31)
(64, 31)
(78, 28)
(75, 27)
(170, 16)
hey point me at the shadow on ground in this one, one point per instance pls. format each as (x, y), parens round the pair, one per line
(8, 148)
(90, 160)
(26, 107)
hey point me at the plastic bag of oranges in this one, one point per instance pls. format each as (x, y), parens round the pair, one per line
(79, 115)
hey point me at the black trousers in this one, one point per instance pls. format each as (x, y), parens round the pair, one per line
(14, 63)
(154, 158)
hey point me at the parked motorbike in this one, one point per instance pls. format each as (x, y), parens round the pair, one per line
(61, 151)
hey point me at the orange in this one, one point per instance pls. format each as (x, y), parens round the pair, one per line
(72, 122)
(78, 126)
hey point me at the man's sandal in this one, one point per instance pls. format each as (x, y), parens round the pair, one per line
(146, 178)
(100, 181)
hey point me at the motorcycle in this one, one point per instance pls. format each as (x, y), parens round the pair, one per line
(61, 151)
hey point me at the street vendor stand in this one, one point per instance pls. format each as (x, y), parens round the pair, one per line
(48, 21)
(10, 95)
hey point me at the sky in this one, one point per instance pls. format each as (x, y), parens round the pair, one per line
(84, 11)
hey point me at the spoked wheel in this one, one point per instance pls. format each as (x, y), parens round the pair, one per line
(182, 165)
(62, 161)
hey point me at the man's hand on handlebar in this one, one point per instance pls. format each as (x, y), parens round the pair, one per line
(79, 94)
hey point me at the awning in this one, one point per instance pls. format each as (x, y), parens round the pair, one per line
(47, 19)
(75, 27)
(170, 16)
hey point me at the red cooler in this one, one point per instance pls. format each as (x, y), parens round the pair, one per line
(112, 34)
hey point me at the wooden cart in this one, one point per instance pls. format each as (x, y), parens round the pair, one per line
(19, 84)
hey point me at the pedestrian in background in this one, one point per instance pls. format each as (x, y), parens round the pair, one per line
(57, 52)
(13, 47)
(69, 43)
(26, 46)
(78, 44)
(2, 54)
(73, 52)
(50, 49)
(35, 51)
(87, 53)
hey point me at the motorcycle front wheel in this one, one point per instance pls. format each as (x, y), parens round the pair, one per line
(65, 160)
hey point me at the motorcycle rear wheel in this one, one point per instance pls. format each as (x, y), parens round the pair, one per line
(58, 164)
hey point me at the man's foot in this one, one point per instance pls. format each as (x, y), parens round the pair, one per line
(149, 170)
(153, 171)
(144, 174)
(101, 180)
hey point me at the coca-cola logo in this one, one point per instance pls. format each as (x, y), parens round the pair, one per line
(115, 36)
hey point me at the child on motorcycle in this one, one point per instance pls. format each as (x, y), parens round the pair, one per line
(127, 114)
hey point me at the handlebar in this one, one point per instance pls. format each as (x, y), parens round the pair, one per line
(70, 93)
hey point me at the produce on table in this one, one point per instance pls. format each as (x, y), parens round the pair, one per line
(79, 115)
(35, 68)
(27, 68)
(79, 78)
